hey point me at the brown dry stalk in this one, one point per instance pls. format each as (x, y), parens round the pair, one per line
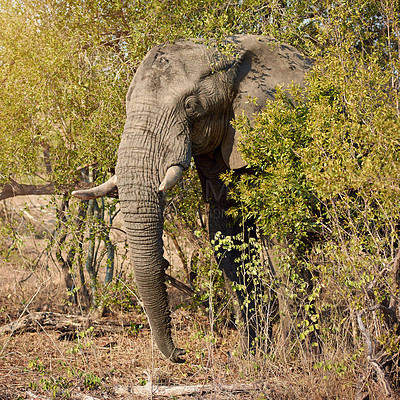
(371, 356)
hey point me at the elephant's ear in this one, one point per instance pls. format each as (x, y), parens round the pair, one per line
(265, 63)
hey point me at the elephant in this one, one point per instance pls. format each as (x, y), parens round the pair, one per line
(180, 105)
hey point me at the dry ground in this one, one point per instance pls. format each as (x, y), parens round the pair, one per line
(44, 364)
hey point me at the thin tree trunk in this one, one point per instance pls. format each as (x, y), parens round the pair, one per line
(90, 267)
(67, 263)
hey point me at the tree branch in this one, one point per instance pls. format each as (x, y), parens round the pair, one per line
(179, 285)
(151, 389)
(13, 189)
(63, 323)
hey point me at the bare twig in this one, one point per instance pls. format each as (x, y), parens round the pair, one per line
(20, 317)
(32, 395)
(394, 302)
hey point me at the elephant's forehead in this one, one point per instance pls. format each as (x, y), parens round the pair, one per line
(186, 56)
(172, 65)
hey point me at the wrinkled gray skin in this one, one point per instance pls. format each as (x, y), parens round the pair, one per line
(180, 104)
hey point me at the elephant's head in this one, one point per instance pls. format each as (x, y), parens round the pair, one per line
(179, 105)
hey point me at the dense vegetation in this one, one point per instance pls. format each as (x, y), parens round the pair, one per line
(323, 184)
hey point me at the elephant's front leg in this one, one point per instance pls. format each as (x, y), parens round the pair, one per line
(239, 285)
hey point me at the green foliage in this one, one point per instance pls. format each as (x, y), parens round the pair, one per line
(62, 109)
(37, 365)
(277, 196)
(327, 153)
(134, 329)
(91, 381)
(55, 385)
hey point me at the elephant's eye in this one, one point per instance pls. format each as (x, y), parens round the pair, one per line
(193, 107)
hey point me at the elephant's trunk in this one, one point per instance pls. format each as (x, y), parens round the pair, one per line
(145, 240)
(142, 164)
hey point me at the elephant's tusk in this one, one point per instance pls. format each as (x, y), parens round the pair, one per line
(97, 191)
(171, 177)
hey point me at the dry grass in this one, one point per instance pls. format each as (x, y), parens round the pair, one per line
(39, 362)
(99, 365)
